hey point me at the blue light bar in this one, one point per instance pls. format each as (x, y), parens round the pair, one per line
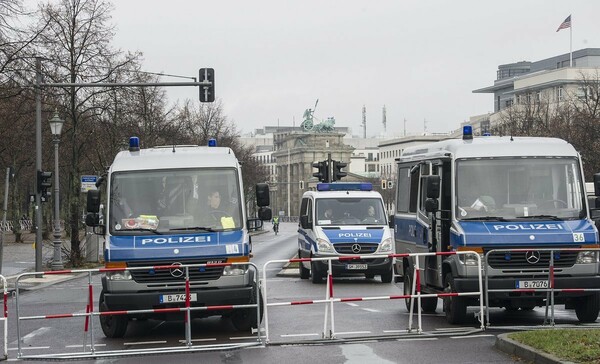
(487, 133)
(212, 142)
(345, 186)
(134, 144)
(467, 132)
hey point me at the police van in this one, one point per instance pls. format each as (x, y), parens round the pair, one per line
(174, 206)
(489, 193)
(344, 218)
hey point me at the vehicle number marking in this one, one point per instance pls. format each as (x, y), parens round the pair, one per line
(532, 284)
(179, 297)
(356, 266)
(232, 249)
(578, 238)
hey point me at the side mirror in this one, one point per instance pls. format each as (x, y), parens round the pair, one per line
(92, 219)
(431, 205)
(93, 201)
(264, 213)
(391, 222)
(597, 184)
(304, 222)
(262, 195)
(433, 186)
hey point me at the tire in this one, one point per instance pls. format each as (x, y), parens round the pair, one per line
(587, 308)
(387, 276)
(304, 272)
(454, 307)
(315, 275)
(428, 304)
(113, 327)
(244, 319)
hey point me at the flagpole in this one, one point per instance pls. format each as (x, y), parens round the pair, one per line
(571, 43)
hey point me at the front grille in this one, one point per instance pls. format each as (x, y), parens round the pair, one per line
(517, 260)
(164, 275)
(365, 248)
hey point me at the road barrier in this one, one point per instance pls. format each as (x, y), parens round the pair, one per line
(549, 270)
(4, 318)
(329, 320)
(90, 313)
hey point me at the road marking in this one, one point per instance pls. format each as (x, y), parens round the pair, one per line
(352, 332)
(419, 339)
(394, 331)
(196, 340)
(470, 336)
(297, 335)
(351, 304)
(31, 348)
(242, 337)
(451, 328)
(146, 342)
(34, 333)
(425, 314)
(80, 346)
(370, 309)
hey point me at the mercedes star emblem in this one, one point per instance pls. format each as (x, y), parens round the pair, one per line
(176, 272)
(355, 248)
(532, 256)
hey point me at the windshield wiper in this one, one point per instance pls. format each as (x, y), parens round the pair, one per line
(143, 229)
(195, 228)
(549, 217)
(485, 218)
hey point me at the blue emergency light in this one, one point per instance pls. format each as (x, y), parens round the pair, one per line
(212, 142)
(467, 132)
(134, 144)
(345, 186)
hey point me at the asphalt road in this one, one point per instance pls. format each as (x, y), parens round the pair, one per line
(364, 331)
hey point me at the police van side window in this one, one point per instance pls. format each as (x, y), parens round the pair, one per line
(415, 177)
(403, 189)
(309, 211)
(303, 206)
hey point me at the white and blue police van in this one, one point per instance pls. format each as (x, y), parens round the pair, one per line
(342, 219)
(489, 193)
(173, 206)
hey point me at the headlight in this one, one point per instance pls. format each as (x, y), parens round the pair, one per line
(324, 246)
(118, 276)
(587, 257)
(234, 270)
(386, 246)
(470, 259)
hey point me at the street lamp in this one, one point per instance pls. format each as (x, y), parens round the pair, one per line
(56, 124)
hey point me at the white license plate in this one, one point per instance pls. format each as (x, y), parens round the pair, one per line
(180, 297)
(356, 266)
(532, 284)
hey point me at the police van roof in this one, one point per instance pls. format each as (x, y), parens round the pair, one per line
(491, 146)
(174, 157)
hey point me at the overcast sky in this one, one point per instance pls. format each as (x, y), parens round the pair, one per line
(421, 59)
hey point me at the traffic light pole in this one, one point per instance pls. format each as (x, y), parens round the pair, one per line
(38, 164)
(329, 168)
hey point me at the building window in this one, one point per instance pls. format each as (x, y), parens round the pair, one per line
(508, 103)
(538, 97)
(560, 93)
(528, 99)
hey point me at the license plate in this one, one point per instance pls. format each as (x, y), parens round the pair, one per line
(532, 284)
(356, 266)
(180, 297)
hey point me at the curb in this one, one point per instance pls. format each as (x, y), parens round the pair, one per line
(512, 347)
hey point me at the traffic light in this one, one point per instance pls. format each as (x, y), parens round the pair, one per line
(323, 173)
(338, 174)
(207, 93)
(44, 183)
(383, 184)
(301, 185)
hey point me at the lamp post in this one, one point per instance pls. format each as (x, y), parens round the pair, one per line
(56, 124)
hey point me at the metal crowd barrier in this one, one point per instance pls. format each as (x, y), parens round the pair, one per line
(550, 291)
(90, 313)
(4, 318)
(329, 321)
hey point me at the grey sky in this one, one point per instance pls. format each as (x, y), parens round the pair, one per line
(422, 59)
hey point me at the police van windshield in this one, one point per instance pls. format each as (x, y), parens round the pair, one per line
(519, 188)
(350, 211)
(174, 201)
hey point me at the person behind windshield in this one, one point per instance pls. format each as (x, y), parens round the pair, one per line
(371, 216)
(328, 214)
(215, 214)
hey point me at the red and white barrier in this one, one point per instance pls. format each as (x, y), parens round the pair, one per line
(330, 299)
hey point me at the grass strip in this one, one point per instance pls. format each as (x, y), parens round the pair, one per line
(577, 345)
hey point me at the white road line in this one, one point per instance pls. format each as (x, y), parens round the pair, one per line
(146, 342)
(242, 337)
(394, 331)
(351, 304)
(419, 339)
(370, 309)
(452, 328)
(196, 340)
(31, 348)
(34, 333)
(297, 335)
(470, 336)
(80, 345)
(425, 314)
(352, 332)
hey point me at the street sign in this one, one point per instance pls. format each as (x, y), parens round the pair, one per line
(88, 183)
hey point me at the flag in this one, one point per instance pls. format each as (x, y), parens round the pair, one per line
(565, 24)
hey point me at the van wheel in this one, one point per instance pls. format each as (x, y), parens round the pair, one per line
(314, 273)
(454, 307)
(387, 276)
(587, 308)
(113, 326)
(304, 272)
(243, 319)
(428, 304)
